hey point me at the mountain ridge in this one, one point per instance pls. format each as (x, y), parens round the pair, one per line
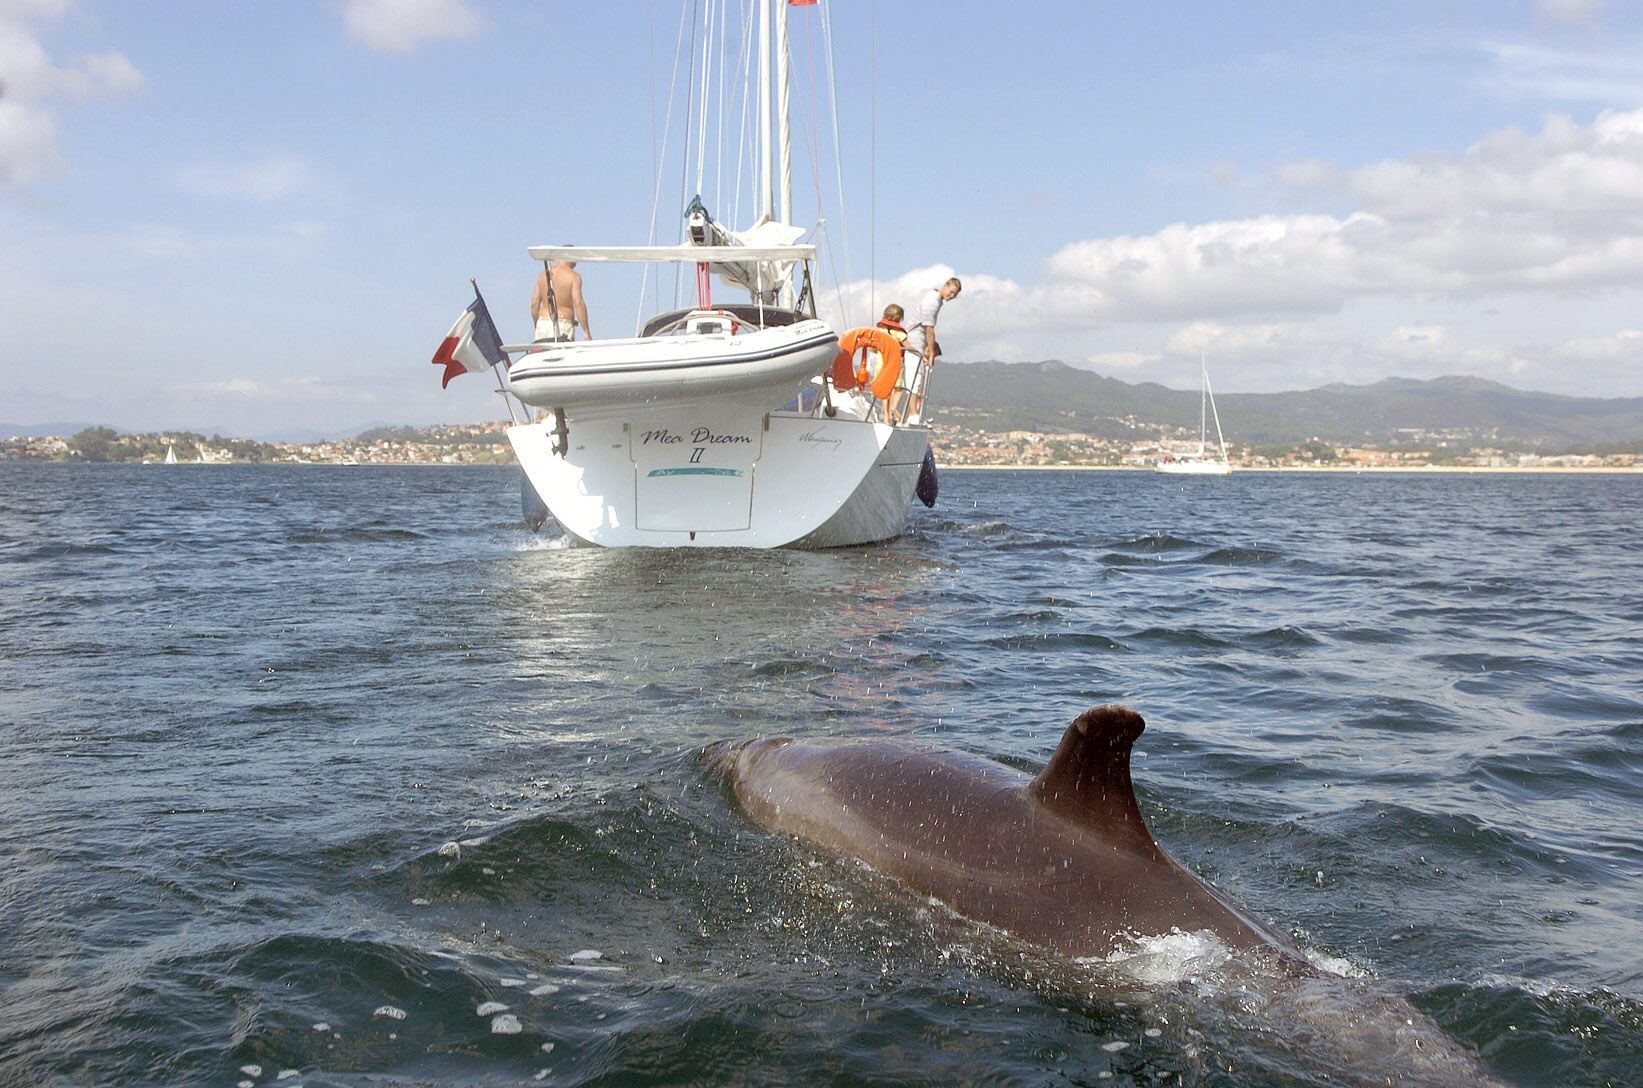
(1050, 395)
(1053, 397)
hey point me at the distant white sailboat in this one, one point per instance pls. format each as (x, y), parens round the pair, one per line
(1201, 463)
(170, 454)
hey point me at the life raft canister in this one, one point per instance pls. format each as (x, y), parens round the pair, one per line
(850, 367)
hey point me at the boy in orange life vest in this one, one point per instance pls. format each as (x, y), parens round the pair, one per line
(891, 323)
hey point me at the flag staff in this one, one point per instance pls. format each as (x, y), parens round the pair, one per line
(501, 386)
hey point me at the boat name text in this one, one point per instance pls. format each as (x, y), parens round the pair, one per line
(699, 436)
(820, 439)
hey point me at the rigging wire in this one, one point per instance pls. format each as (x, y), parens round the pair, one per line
(838, 154)
(656, 195)
(815, 114)
(694, 15)
(706, 96)
(744, 136)
(719, 134)
(699, 101)
(650, 56)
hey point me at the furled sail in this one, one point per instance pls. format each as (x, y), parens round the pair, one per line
(761, 278)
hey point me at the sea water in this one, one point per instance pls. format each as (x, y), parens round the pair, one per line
(338, 775)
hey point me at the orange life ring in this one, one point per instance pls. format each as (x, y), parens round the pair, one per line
(850, 368)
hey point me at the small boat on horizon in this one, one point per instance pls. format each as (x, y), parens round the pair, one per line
(1202, 463)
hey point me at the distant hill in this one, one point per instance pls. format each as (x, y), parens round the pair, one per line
(41, 430)
(68, 430)
(1051, 396)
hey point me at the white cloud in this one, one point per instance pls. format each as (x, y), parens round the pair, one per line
(1272, 263)
(269, 179)
(401, 26)
(1120, 360)
(31, 74)
(33, 9)
(230, 387)
(864, 300)
(1568, 11)
(1541, 73)
(1421, 336)
(1521, 222)
(1625, 345)
(285, 390)
(1241, 341)
(1566, 169)
(28, 145)
(109, 73)
(1558, 210)
(30, 79)
(991, 316)
(1307, 174)
(304, 230)
(1431, 350)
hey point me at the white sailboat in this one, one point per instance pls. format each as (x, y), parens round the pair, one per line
(739, 425)
(1202, 463)
(170, 454)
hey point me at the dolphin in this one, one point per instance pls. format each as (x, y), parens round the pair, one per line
(1065, 861)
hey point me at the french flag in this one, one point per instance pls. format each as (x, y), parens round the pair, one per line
(472, 344)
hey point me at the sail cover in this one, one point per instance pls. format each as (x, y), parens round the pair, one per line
(762, 276)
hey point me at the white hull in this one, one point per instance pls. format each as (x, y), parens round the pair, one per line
(1194, 468)
(720, 474)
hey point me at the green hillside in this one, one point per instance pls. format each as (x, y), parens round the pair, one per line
(1051, 396)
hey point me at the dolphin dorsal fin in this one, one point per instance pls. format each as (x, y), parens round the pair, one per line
(1088, 778)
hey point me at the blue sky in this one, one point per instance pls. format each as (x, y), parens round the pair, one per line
(261, 217)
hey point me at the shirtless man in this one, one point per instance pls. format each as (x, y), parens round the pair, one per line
(558, 321)
(921, 338)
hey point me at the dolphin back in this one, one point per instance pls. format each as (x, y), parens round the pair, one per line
(1088, 781)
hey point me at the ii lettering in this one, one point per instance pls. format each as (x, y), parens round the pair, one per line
(696, 455)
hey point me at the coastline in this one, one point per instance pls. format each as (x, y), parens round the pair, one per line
(1357, 470)
(1360, 470)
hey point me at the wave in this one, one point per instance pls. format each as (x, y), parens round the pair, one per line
(348, 536)
(1185, 638)
(1155, 542)
(782, 668)
(1285, 637)
(1056, 641)
(1118, 559)
(58, 550)
(544, 543)
(1242, 557)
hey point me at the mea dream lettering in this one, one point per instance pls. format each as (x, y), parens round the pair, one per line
(699, 436)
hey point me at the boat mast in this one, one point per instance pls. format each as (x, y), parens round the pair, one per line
(1203, 402)
(764, 209)
(1210, 394)
(775, 198)
(784, 136)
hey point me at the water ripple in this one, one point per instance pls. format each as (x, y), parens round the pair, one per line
(287, 747)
